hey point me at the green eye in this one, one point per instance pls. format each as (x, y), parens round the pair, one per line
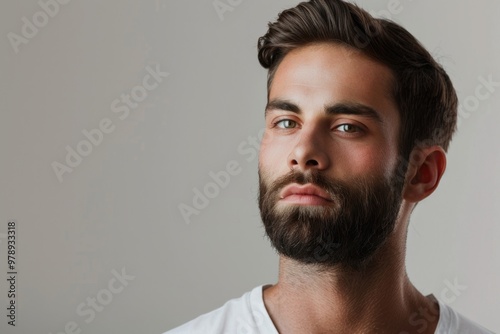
(349, 128)
(286, 124)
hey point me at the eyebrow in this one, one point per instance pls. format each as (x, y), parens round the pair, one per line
(341, 108)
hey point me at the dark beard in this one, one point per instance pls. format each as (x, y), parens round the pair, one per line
(347, 233)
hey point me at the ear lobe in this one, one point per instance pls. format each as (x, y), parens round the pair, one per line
(427, 166)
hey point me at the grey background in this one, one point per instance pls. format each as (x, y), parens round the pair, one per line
(119, 207)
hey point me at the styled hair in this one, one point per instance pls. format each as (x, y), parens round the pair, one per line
(423, 92)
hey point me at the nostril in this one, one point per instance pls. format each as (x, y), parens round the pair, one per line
(312, 163)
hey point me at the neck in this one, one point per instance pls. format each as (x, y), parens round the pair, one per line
(376, 299)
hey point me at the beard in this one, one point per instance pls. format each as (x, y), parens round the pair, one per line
(346, 233)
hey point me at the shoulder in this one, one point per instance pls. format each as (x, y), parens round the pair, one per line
(240, 315)
(450, 322)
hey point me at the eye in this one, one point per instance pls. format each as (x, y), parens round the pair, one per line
(348, 128)
(286, 124)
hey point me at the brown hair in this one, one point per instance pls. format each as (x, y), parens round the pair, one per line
(423, 91)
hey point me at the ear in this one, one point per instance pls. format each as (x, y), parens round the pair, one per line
(427, 166)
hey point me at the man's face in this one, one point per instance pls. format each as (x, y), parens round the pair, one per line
(329, 193)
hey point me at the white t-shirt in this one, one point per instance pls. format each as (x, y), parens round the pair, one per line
(248, 315)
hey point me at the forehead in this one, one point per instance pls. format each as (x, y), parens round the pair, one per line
(326, 73)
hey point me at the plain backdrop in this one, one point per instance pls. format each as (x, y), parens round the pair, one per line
(118, 209)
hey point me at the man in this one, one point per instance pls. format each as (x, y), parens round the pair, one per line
(358, 120)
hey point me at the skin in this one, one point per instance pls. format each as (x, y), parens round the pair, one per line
(301, 134)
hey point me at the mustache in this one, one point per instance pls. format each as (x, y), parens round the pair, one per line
(333, 187)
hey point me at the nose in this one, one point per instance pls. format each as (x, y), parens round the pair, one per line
(310, 152)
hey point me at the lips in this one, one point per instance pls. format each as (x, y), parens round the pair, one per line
(307, 194)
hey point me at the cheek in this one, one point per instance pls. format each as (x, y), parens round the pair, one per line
(273, 156)
(363, 161)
